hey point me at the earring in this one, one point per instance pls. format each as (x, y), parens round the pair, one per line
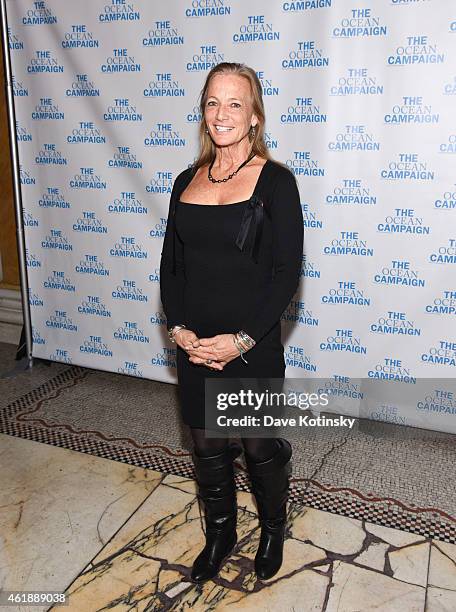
(252, 131)
(207, 131)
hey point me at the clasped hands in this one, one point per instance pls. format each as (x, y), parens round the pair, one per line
(220, 349)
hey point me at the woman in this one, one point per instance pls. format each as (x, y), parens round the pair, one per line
(230, 264)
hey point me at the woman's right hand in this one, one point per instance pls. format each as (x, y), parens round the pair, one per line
(186, 337)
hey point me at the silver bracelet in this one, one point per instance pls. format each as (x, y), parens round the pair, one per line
(173, 330)
(240, 349)
(245, 338)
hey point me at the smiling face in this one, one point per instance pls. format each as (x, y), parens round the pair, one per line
(228, 112)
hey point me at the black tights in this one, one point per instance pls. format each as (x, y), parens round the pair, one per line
(258, 449)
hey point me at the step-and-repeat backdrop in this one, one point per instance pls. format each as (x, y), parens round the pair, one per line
(360, 100)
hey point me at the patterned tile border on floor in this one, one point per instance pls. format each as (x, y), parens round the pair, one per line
(349, 503)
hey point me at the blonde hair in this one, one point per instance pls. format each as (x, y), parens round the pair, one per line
(257, 143)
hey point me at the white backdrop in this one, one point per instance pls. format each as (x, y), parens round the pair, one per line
(360, 100)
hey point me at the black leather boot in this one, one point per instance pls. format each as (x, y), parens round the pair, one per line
(270, 486)
(215, 478)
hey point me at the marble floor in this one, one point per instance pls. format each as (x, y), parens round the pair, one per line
(112, 536)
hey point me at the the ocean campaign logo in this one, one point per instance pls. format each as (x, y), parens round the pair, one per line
(93, 305)
(162, 34)
(267, 87)
(158, 318)
(26, 177)
(388, 414)
(120, 61)
(443, 305)
(399, 273)
(38, 15)
(411, 110)
(127, 247)
(416, 50)
(154, 276)
(447, 202)
(14, 41)
(49, 156)
(348, 243)
(34, 299)
(29, 220)
(86, 133)
(393, 370)
(403, 221)
(343, 340)
(297, 312)
(194, 116)
(124, 158)
(450, 146)
(305, 55)
(163, 135)
(60, 320)
(256, 29)
(446, 254)
(449, 89)
(90, 264)
(360, 23)
(32, 260)
(117, 11)
(159, 229)
(206, 58)
(87, 179)
(62, 355)
(52, 198)
(58, 280)
(122, 111)
(395, 324)
(354, 138)
(82, 87)
(129, 290)
(442, 354)
(301, 164)
(131, 369)
(95, 346)
(161, 182)
(79, 38)
(43, 62)
(309, 217)
(46, 109)
(130, 332)
(408, 168)
(341, 386)
(163, 86)
(346, 292)
(309, 269)
(22, 134)
(271, 143)
(18, 88)
(441, 401)
(357, 82)
(127, 203)
(208, 8)
(56, 240)
(295, 357)
(305, 5)
(36, 337)
(352, 191)
(165, 359)
(303, 111)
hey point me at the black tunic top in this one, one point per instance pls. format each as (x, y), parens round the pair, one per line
(230, 267)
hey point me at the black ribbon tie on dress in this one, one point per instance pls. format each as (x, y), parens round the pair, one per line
(252, 221)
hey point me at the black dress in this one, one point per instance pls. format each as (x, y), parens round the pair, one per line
(230, 267)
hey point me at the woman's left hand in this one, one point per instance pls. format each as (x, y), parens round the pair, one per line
(221, 345)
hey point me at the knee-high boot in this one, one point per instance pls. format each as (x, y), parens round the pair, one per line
(215, 478)
(270, 486)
